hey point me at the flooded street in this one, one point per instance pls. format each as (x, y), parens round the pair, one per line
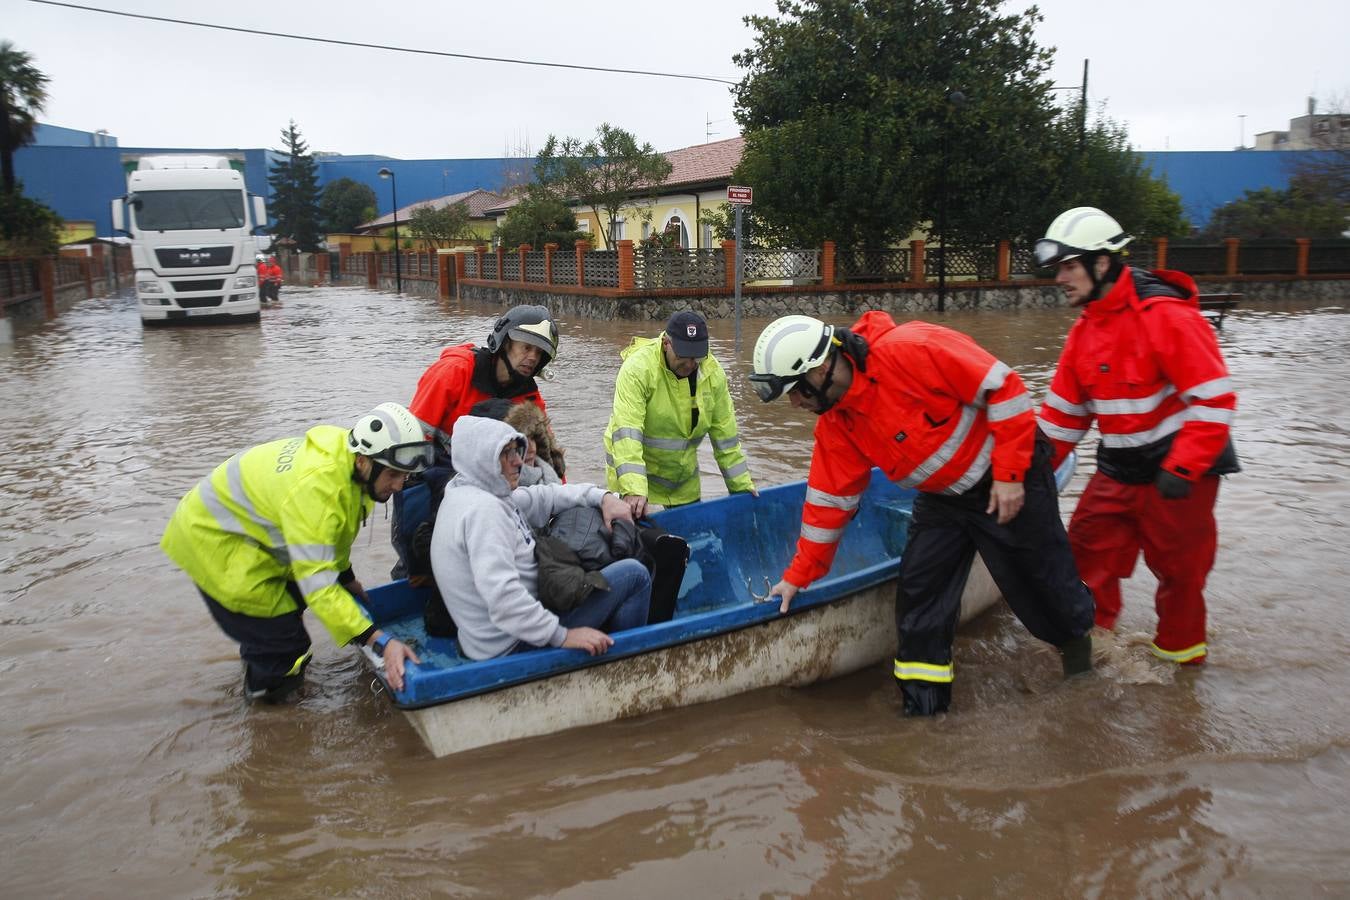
(133, 767)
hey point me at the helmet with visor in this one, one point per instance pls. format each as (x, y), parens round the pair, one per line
(789, 348)
(392, 437)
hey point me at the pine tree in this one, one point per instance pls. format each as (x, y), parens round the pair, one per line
(295, 193)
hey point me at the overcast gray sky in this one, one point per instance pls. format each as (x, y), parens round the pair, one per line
(1179, 74)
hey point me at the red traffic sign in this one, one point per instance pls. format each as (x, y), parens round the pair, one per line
(737, 194)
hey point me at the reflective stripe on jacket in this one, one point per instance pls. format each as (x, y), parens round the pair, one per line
(651, 442)
(287, 510)
(934, 410)
(450, 387)
(1145, 368)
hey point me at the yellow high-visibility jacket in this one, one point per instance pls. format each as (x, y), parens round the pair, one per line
(287, 510)
(651, 443)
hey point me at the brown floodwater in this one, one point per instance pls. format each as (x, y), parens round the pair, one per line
(132, 766)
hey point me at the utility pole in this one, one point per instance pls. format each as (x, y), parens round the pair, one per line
(1082, 113)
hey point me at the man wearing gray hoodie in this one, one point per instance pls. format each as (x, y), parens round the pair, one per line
(482, 552)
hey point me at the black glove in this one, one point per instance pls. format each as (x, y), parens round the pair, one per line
(1172, 487)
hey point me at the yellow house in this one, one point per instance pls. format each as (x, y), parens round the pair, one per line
(378, 234)
(698, 181)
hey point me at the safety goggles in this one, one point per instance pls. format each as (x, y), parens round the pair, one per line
(771, 387)
(413, 457)
(1049, 253)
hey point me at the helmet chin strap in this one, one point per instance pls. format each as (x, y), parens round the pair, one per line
(515, 380)
(368, 482)
(1101, 283)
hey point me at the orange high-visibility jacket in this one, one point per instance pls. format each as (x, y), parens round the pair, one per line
(934, 410)
(1143, 362)
(452, 384)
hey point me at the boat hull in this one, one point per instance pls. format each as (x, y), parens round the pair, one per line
(824, 642)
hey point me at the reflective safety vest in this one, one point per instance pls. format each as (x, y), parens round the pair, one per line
(284, 511)
(934, 410)
(1146, 368)
(450, 387)
(651, 442)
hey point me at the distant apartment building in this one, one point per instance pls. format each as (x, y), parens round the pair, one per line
(1315, 131)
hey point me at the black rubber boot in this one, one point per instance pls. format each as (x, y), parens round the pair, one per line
(1076, 655)
(924, 698)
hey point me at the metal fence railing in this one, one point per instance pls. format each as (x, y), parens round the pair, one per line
(779, 265)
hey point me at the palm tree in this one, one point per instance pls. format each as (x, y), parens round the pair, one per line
(23, 94)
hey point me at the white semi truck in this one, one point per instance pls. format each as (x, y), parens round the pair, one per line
(194, 231)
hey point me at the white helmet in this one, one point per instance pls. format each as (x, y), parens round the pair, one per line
(393, 437)
(259, 258)
(1079, 232)
(786, 350)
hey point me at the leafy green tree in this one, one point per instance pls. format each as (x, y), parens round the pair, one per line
(295, 193)
(440, 227)
(538, 219)
(1302, 210)
(605, 174)
(23, 94)
(27, 227)
(345, 204)
(1097, 167)
(850, 110)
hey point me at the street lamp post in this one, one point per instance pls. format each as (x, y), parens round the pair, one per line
(398, 257)
(954, 99)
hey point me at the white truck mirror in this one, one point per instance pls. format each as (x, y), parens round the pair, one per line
(259, 212)
(119, 215)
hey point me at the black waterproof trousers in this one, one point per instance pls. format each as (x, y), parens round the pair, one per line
(1029, 559)
(275, 650)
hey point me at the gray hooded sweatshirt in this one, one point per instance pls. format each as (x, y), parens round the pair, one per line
(482, 548)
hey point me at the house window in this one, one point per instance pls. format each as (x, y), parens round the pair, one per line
(707, 235)
(618, 230)
(646, 230)
(584, 225)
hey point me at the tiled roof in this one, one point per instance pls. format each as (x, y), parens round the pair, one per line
(497, 209)
(704, 162)
(479, 202)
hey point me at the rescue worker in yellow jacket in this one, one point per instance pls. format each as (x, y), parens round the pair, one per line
(269, 533)
(670, 392)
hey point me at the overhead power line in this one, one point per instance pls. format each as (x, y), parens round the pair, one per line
(320, 40)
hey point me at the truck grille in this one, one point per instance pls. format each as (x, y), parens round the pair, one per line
(197, 302)
(207, 284)
(193, 257)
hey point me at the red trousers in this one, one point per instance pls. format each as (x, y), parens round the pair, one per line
(1114, 521)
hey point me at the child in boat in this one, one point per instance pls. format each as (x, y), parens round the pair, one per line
(543, 461)
(483, 553)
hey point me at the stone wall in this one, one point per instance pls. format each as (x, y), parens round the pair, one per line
(768, 303)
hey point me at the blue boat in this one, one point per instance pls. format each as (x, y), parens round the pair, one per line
(724, 638)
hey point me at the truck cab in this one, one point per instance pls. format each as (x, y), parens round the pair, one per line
(194, 235)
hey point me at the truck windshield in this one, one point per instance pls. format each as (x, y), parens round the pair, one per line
(183, 210)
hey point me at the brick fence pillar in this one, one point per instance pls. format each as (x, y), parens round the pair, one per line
(548, 262)
(827, 264)
(501, 260)
(480, 253)
(581, 248)
(445, 272)
(916, 250)
(321, 268)
(87, 270)
(372, 269)
(47, 284)
(523, 251)
(1004, 264)
(1160, 253)
(729, 252)
(626, 280)
(1301, 266)
(1231, 262)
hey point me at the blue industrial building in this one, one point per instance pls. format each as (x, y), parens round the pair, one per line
(77, 173)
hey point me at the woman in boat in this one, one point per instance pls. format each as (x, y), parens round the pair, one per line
(483, 553)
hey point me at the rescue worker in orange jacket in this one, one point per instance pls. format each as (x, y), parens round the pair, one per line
(270, 277)
(1142, 362)
(940, 414)
(523, 341)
